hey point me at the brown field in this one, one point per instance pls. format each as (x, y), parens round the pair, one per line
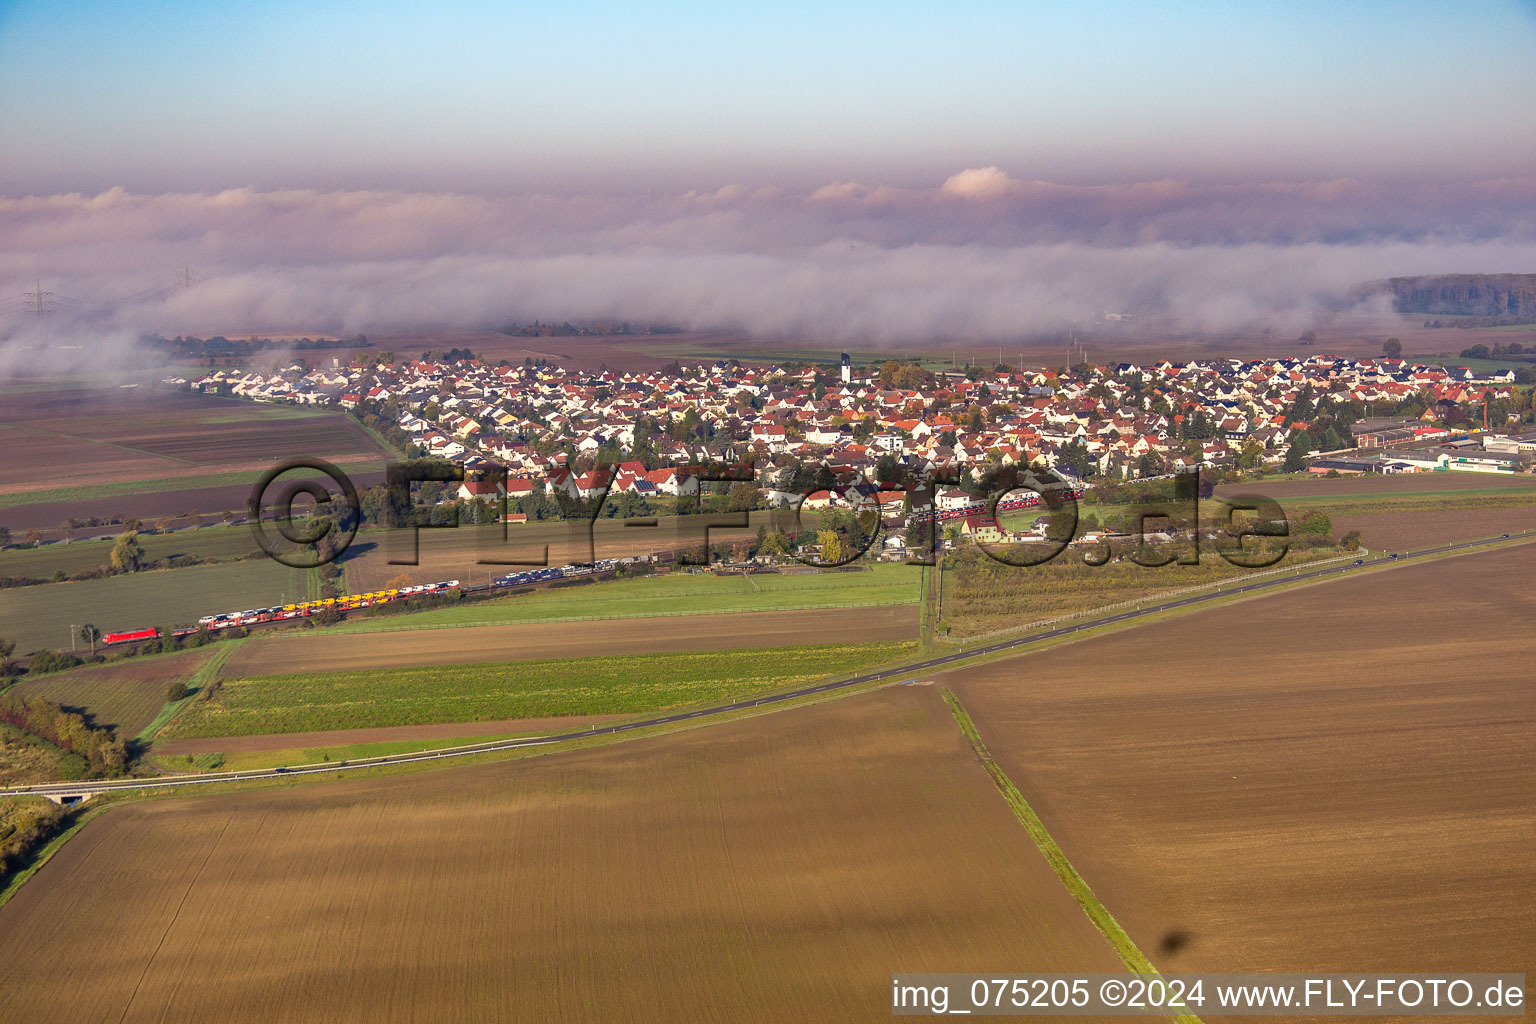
(1405, 483)
(1352, 334)
(383, 734)
(35, 459)
(1144, 338)
(1408, 531)
(1339, 778)
(45, 517)
(784, 869)
(490, 343)
(124, 696)
(635, 352)
(112, 435)
(253, 442)
(457, 552)
(464, 645)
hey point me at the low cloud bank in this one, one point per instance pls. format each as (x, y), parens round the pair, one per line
(984, 255)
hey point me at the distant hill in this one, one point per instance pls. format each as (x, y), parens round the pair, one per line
(1504, 298)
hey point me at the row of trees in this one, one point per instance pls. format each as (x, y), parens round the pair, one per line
(384, 420)
(218, 345)
(1514, 348)
(448, 355)
(25, 825)
(600, 328)
(103, 751)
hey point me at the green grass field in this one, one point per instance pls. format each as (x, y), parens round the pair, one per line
(1470, 362)
(28, 387)
(41, 616)
(222, 542)
(673, 594)
(629, 684)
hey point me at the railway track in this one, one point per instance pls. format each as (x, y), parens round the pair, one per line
(901, 672)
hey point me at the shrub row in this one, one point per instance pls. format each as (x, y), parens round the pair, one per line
(103, 751)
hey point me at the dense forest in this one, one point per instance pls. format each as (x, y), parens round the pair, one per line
(1501, 298)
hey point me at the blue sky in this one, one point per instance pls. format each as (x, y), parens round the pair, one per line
(626, 97)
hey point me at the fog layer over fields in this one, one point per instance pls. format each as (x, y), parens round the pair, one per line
(982, 255)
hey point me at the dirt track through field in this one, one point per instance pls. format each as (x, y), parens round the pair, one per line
(279, 655)
(1340, 778)
(774, 869)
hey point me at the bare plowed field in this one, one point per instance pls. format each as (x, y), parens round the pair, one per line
(1340, 778)
(111, 435)
(45, 517)
(36, 459)
(773, 869)
(473, 644)
(1407, 531)
(1405, 483)
(253, 442)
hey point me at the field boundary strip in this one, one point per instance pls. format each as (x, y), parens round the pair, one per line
(589, 618)
(718, 592)
(199, 680)
(1125, 947)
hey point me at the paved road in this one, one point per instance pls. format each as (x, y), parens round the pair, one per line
(910, 669)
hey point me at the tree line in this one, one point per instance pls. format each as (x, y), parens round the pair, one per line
(1506, 297)
(218, 345)
(103, 751)
(601, 328)
(25, 825)
(1514, 348)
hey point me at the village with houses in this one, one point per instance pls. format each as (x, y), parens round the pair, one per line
(556, 429)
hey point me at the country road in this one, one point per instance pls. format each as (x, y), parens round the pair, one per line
(93, 788)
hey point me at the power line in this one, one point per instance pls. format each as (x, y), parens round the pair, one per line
(39, 302)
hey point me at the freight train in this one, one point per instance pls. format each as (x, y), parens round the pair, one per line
(348, 602)
(573, 571)
(280, 613)
(133, 635)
